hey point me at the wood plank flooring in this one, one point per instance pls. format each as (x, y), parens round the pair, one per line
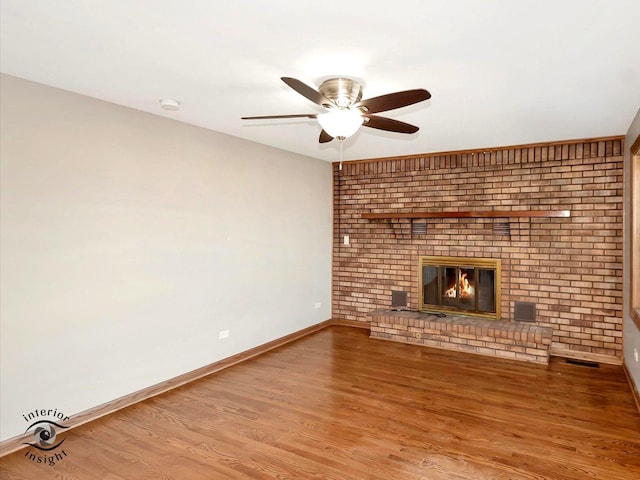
(339, 405)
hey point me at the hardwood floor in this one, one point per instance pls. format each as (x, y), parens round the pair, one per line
(338, 405)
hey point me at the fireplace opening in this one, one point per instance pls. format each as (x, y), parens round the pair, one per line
(463, 285)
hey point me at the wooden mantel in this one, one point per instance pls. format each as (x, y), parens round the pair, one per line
(485, 214)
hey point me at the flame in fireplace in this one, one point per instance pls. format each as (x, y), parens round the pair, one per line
(466, 289)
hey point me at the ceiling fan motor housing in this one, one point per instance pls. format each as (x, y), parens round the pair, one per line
(343, 92)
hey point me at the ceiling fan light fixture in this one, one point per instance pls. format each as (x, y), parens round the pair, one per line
(347, 112)
(341, 122)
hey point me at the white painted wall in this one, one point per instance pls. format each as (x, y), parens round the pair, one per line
(631, 334)
(128, 241)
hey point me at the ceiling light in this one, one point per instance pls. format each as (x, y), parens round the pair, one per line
(169, 104)
(341, 122)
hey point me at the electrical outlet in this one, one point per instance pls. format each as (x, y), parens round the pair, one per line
(346, 240)
(318, 305)
(635, 354)
(223, 334)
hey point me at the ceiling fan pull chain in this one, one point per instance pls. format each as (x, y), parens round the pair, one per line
(341, 139)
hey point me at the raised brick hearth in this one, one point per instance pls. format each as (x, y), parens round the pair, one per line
(569, 267)
(514, 340)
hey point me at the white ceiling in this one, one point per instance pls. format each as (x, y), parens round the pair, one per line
(501, 72)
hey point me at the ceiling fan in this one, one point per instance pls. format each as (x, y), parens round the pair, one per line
(346, 111)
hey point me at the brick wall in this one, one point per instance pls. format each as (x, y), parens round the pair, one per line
(570, 267)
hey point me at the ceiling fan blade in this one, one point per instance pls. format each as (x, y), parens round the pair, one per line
(388, 124)
(306, 91)
(325, 137)
(394, 100)
(266, 117)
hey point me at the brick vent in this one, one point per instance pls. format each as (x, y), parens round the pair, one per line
(571, 268)
(513, 340)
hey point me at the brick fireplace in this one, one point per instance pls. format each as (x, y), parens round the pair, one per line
(550, 213)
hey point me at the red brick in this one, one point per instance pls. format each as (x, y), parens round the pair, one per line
(565, 263)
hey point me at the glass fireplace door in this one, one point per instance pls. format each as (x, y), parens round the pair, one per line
(464, 285)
